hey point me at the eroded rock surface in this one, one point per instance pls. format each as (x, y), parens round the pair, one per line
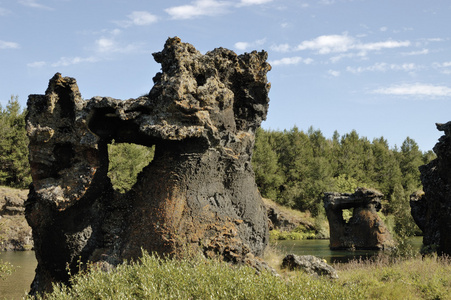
(310, 264)
(15, 234)
(365, 229)
(199, 192)
(432, 210)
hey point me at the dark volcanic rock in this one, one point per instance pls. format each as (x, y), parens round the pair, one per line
(199, 192)
(309, 264)
(365, 229)
(432, 210)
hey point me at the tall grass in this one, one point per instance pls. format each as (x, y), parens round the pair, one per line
(157, 278)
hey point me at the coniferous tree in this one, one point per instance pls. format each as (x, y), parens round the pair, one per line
(14, 165)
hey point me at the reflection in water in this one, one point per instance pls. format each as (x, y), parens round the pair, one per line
(17, 285)
(321, 249)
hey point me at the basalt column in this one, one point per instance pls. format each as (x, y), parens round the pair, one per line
(197, 195)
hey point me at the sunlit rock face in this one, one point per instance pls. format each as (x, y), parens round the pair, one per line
(197, 195)
(432, 210)
(365, 229)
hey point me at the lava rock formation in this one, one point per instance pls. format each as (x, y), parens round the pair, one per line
(365, 229)
(431, 210)
(199, 192)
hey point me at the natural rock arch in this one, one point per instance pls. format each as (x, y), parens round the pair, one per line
(199, 192)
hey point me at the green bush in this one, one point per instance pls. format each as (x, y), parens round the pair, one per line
(296, 234)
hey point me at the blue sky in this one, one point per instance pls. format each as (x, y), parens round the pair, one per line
(380, 67)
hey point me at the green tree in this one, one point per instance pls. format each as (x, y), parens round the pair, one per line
(14, 165)
(410, 159)
(125, 163)
(265, 163)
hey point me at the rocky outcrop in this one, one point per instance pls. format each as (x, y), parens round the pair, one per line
(197, 195)
(15, 234)
(432, 210)
(310, 264)
(280, 219)
(365, 229)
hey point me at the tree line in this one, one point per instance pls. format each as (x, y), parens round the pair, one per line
(292, 167)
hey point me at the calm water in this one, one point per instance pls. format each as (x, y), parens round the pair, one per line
(16, 285)
(321, 249)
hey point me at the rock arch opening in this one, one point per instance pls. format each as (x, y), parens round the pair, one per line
(126, 161)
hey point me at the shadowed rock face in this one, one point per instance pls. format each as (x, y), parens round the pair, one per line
(199, 192)
(432, 210)
(365, 229)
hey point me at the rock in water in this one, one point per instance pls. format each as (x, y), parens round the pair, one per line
(199, 192)
(432, 210)
(365, 229)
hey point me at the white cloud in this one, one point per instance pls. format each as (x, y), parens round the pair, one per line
(198, 8)
(382, 45)
(67, 61)
(37, 64)
(383, 67)
(8, 45)
(420, 52)
(326, 44)
(327, 2)
(281, 48)
(110, 45)
(253, 2)
(417, 89)
(138, 18)
(34, 4)
(242, 46)
(334, 73)
(105, 45)
(291, 61)
(444, 67)
(383, 29)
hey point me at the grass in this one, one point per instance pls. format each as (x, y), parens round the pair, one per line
(157, 278)
(414, 278)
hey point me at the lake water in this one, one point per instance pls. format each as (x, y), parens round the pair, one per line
(321, 249)
(17, 285)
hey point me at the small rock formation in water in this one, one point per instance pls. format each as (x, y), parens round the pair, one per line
(310, 264)
(365, 229)
(431, 210)
(197, 195)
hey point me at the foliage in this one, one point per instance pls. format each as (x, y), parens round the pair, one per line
(295, 168)
(14, 166)
(299, 233)
(157, 278)
(125, 163)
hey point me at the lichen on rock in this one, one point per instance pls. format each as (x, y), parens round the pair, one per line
(199, 192)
